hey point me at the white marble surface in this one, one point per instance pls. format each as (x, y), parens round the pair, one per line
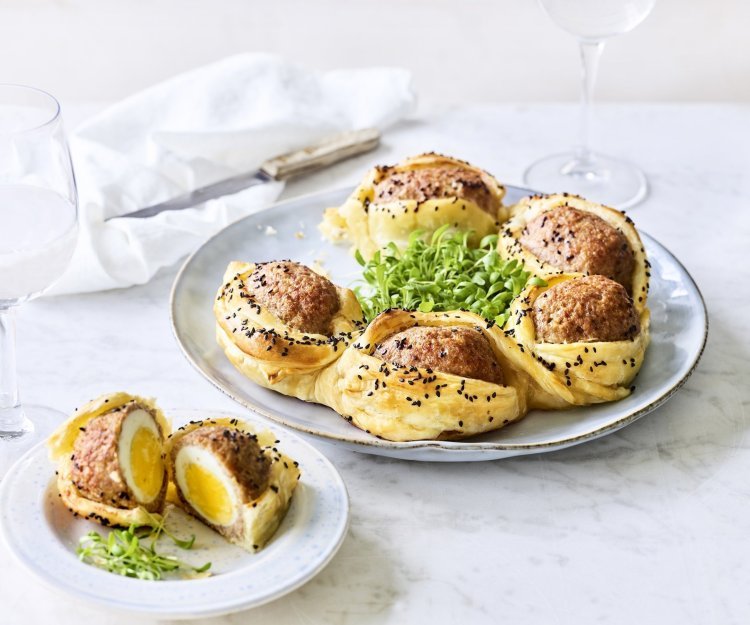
(648, 525)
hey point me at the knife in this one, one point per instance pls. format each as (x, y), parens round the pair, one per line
(307, 160)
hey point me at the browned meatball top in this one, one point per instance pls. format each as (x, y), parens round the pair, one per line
(576, 240)
(295, 294)
(95, 470)
(586, 309)
(238, 451)
(429, 183)
(458, 350)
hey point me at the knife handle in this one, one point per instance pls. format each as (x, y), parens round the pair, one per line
(327, 152)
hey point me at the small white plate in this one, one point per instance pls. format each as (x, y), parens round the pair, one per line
(43, 535)
(679, 327)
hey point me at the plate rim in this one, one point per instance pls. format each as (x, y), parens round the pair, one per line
(219, 608)
(456, 447)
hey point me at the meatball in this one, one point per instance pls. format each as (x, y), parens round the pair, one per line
(238, 451)
(586, 309)
(96, 471)
(458, 350)
(428, 183)
(576, 240)
(296, 294)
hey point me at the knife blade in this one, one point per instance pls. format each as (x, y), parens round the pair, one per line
(297, 163)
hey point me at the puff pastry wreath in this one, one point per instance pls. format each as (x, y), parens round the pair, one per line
(553, 234)
(396, 381)
(581, 339)
(280, 324)
(420, 193)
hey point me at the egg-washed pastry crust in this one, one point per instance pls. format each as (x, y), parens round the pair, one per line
(509, 245)
(61, 444)
(370, 224)
(405, 404)
(578, 373)
(271, 352)
(259, 518)
(414, 403)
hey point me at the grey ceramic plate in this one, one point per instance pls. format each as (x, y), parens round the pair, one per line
(679, 328)
(43, 536)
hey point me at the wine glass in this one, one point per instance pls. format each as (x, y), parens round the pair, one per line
(595, 176)
(38, 231)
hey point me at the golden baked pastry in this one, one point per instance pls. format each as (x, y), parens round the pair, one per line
(280, 323)
(233, 478)
(581, 339)
(578, 340)
(420, 193)
(110, 460)
(553, 234)
(414, 376)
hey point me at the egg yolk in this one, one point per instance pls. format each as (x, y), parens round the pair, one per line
(208, 495)
(146, 463)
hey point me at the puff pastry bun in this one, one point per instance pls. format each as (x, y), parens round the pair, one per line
(110, 460)
(420, 193)
(576, 372)
(233, 478)
(270, 351)
(414, 403)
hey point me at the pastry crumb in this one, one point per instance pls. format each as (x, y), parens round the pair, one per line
(270, 231)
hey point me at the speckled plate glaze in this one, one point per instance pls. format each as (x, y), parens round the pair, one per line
(679, 327)
(43, 535)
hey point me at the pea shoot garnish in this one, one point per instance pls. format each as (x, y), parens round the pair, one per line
(444, 273)
(124, 552)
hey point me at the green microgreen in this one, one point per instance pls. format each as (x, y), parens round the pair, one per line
(125, 552)
(440, 274)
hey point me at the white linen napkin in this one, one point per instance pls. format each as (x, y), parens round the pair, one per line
(201, 126)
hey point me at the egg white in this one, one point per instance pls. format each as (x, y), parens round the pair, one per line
(204, 458)
(131, 424)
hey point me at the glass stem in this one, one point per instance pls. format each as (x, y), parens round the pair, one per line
(591, 52)
(12, 419)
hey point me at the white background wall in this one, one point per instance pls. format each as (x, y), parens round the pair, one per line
(459, 50)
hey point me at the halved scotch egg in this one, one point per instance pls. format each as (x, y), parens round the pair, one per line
(111, 460)
(232, 478)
